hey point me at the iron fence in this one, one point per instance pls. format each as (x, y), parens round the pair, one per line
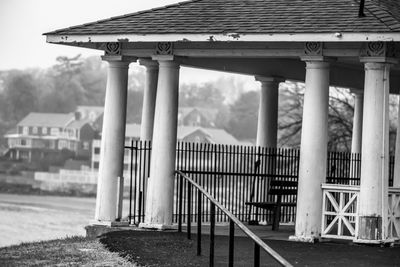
(345, 168)
(234, 175)
(231, 174)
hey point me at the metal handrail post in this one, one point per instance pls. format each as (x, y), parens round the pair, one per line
(231, 242)
(180, 203)
(256, 255)
(198, 223)
(212, 233)
(189, 210)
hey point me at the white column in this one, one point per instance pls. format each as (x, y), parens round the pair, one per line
(396, 178)
(112, 140)
(160, 190)
(149, 99)
(373, 200)
(267, 128)
(313, 152)
(357, 123)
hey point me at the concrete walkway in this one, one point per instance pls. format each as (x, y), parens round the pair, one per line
(263, 231)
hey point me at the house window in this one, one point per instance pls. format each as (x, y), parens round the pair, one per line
(25, 130)
(97, 150)
(34, 130)
(96, 165)
(23, 142)
(62, 144)
(54, 131)
(24, 154)
(44, 130)
(86, 145)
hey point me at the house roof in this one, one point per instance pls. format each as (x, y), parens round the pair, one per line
(47, 119)
(250, 17)
(208, 113)
(217, 136)
(77, 124)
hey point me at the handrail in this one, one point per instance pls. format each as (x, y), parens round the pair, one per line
(244, 228)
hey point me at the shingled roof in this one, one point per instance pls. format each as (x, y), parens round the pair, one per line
(250, 17)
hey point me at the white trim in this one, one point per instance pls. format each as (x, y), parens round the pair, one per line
(229, 37)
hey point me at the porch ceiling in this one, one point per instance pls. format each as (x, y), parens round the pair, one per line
(342, 74)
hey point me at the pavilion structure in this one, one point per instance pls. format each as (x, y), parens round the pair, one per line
(346, 43)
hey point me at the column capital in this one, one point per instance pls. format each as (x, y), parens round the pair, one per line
(317, 59)
(271, 79)
(148, 63)
(119, 61)
(379, 60)
(163, 57)
(357, 92)
(376, 65)
(311, 64)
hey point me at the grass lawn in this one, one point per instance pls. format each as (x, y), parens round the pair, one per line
(73, 251)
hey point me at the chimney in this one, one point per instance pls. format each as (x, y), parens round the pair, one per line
(77, 115)
(361, 10)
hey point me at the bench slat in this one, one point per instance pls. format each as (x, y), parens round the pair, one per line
(283, 183)
(270, 205)
(282, 192)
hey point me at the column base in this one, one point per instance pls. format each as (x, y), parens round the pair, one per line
(98, 228)
(108, 223)
(304, 239)
(158, 226)
(387, 242)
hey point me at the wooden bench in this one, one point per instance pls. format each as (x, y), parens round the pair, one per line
(277, 188)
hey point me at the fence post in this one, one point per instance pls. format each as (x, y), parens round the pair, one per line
(120, 197)
(212, 233)
(131, 184)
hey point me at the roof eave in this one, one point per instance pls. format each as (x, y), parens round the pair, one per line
(228, 37)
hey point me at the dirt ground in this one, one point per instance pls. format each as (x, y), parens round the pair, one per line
(174, 249)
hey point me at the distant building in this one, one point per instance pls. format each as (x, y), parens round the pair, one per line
(93, 114)
(185, 133)
(195, 116)
(40, 135)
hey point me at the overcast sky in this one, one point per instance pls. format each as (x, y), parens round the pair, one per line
(22, 23)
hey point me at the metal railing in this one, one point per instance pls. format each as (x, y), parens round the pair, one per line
(345, 168)
(258, 243)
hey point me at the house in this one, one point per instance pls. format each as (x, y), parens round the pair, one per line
(195, 116)
(41, 135)
(93, 114)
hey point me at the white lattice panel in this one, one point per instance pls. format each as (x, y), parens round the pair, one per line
(394, 215)
(339, 215)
